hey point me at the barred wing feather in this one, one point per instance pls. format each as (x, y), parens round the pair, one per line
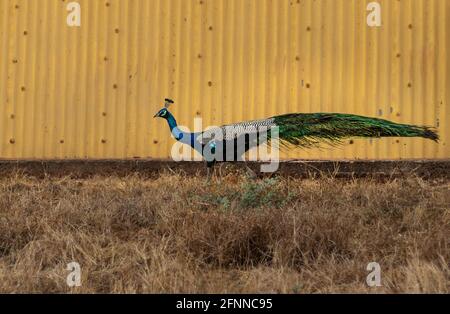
(233, 131)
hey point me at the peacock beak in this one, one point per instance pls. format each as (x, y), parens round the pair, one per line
(155, 116)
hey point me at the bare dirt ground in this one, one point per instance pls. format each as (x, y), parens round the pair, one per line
(174, 233)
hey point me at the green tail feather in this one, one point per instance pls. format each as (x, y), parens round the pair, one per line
(331, 128)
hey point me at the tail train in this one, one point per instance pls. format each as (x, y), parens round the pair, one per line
(303, 129)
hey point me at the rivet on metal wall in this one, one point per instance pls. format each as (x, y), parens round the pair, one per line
(103, 141)
(23, 88)
(61, 141)
(12, 141)
(12, 116)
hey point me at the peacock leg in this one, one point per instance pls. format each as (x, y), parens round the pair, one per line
(250, 172)
(208, 174)
(220, 170)
(209, 167)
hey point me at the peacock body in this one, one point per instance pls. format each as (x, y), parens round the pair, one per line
(229, 142)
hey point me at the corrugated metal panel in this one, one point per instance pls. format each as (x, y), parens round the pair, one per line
(91, 91)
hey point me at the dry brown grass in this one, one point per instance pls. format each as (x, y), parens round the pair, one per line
(176, 234)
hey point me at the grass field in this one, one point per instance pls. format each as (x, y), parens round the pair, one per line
(175, 234)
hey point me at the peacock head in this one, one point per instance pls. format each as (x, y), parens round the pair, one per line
(164, 113)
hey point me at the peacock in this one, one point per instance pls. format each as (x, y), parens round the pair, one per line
(230, 142)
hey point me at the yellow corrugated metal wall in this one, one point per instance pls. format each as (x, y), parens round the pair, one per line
(91, 91)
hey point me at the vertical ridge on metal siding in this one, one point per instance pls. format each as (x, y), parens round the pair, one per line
(4, 46)
(444, 90)
(91, 91)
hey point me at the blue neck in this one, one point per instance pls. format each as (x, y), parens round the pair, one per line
(186, 138)
(171, 121)
(176, 132)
